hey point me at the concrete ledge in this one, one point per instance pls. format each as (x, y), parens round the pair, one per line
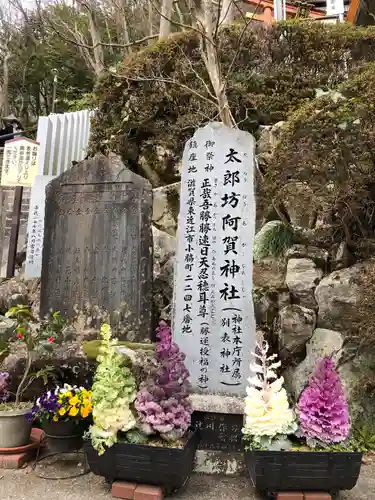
(216, 403)
(219, 463)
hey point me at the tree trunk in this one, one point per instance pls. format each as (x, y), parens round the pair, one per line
(96, 41)
(165, 23)
(150, 25)
(5, 100)
(226, 13)
(205, 17)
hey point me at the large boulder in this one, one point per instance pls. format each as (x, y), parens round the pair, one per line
(12, 293)
(337, 296)
(166, 207)
(322, 343)
(318, 255)
(7, 328)
(302, 277)
(296, 326)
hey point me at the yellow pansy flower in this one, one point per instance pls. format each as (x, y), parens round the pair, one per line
(68, 394)
(73, 401)
(84, 412)
(55, 418)
(62, 411)
(73, 412)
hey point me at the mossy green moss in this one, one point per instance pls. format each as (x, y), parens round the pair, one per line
(158, 97)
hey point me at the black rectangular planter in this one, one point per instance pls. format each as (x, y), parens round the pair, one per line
(273, 471)
(159, 466)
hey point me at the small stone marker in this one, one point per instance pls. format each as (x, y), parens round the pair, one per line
(219, 431)
(20, 162)
(35, 226)
(214, 321)
(98, 241)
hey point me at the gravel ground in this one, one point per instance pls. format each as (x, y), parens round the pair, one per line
(25, 485)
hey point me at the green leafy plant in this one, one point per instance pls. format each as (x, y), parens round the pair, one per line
(113, 391)
(39, 338)
(272, 240)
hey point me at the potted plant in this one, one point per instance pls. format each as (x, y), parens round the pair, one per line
(38, 339)
(65, 414)
(306, 450)
(149, 440)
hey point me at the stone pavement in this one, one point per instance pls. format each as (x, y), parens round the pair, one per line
(24, 485)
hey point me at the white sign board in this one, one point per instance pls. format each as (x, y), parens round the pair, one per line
(35, 226)
(335, 7)
(214, 322)
(20, 162)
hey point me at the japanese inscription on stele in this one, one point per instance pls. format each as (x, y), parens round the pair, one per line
(35, 227)
(214, 322)
(20, 162)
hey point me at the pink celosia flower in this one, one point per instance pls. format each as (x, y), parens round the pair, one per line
(323, 409)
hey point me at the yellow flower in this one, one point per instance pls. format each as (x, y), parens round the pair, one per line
(84, 412)
(73, 401)
(73, 412)
(86, 402)
(68, 394)
(59, 401)
(62, 411)
(55, 418)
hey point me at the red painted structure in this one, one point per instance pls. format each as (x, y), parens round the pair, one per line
(264, 11)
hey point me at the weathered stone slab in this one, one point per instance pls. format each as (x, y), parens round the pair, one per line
(98, 241)
(214, 321)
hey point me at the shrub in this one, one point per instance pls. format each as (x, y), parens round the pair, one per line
(146, 112)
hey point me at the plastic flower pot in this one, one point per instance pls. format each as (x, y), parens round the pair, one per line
(169, 468)
(273, 471)
(63, 437)
(15, 430)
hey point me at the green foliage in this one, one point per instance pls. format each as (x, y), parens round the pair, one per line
(135, 436)
(39, 339)
(155, 101)
(113, 391)
(327, 147)
(91, 347)
(272, 240)
(364, 437)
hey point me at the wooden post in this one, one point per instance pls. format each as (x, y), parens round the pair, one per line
(13, 239)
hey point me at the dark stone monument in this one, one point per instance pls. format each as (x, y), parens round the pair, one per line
(219, 431)
(98, 242)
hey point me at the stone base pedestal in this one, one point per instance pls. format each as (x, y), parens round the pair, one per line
(219, 420)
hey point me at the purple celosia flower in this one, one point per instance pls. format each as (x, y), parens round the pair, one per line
(323, 409)
(4, 382)
(162, 402)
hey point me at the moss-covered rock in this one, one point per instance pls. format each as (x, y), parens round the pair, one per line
(159, 96)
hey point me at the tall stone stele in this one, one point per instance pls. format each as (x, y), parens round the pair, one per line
(214, 321)
(98, 242)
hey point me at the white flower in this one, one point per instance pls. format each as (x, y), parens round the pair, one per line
(267, 411)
